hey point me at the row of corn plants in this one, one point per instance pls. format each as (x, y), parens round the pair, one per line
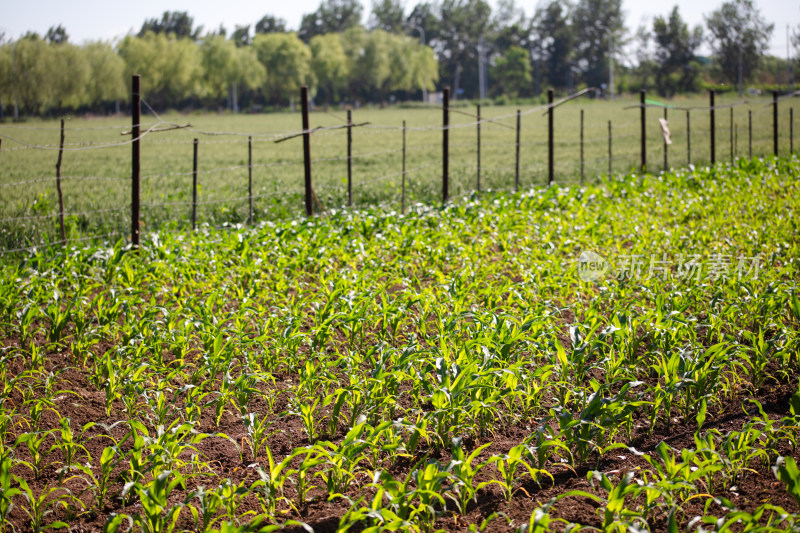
(449, 368)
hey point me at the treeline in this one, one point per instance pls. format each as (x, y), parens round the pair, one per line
(41, 74)
(398, 54)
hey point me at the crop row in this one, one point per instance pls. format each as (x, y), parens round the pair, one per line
(445, 369)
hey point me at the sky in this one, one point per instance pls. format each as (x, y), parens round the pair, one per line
(101, 19)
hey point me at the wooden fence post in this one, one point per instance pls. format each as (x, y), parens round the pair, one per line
(550, 140)
(731, 134)
(642, 98)
(516, 165)
(688, 139)
(583, 172)
(445, 145)
(750, 134)
(666, 147)
(306, 150)
(58, 187)
(403, 182)
(609, 149)
(136, 110)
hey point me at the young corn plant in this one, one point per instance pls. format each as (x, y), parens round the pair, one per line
(157, 515)
(508, 466)
(7, 492)
(100, 484)
(38, 508)
(208, 509)
(465, 486)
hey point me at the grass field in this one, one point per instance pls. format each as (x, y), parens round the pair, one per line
(460, 369)
(97, 180)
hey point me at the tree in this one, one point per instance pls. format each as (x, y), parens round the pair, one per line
(675, 49)
(424, 18)
(226, 66)
(555, 38)
(463, 24)
(32, 68)
(241, 35)
(270, 24)
(178, 23)
(738, 37)
(332, 16)
(594, 24)
(106, 73)
(57, 35)
(288, 63)
(388, 15)
(173, 67)
(329, 63)
(69, 76)
(512, 71)
(6, 80)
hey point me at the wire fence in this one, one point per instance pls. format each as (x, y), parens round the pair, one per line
(235, 177)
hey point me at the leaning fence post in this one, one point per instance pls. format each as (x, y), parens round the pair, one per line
(644, 131)
(445, 144)
(688, 139)
(775, 123)
(58, 187)
(136, 109)
(250, 176)
(478, 184)
(583, 173)
(516, 165)
(550, 140)
(609, 149)
(194, 187)
(403, 181)
(350, 158)
(306, 150)
(713, 129)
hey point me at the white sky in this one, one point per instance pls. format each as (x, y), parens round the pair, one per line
(101, 19)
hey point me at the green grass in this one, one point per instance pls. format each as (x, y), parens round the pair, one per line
(278, 169)
(389, 369)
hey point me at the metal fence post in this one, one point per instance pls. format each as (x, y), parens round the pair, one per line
(350, 158)
(194, 186)
(136, 109)
(713, 128)
(478, 184)
(306, 150)
(250, 177)
(775, 123)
